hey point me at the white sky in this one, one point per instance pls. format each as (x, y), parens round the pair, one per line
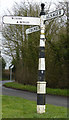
(4, 4)
(8, 4)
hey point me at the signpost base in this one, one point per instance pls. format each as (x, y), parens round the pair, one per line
(40, 109)
(41, 94)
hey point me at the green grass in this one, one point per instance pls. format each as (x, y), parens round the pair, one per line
(21, 86)
(0, 106)
(15, 107)
(30, 88)
(62, 92)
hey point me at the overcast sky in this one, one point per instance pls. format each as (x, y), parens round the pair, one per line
(4, 4)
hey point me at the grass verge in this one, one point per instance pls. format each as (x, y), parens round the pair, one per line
(62, 92)
(20, 86)
(15, 107)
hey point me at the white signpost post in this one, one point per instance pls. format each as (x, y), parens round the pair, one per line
(19, 20)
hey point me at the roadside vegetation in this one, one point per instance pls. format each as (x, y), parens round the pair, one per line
(63, 92)
(15, 107)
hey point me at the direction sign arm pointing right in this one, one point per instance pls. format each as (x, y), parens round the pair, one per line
(54, 14)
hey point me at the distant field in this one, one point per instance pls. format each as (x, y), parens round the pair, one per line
(15, 107)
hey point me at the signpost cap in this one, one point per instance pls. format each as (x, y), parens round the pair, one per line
(42, 9)
(42, 6)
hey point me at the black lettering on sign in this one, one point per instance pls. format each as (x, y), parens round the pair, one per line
(59, 12)
(51, 15)
(16, 18)
(20, 21)
(54, 14)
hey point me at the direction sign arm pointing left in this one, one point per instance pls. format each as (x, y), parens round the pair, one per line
(21, 20)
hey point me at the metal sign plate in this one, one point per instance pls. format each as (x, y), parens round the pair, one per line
(21, 20)
(33, 29)
(54, 14)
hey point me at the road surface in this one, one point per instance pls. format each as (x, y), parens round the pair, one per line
(50, 99)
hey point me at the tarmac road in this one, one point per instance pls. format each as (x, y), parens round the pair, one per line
(50, 99)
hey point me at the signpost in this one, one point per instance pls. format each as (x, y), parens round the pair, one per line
(41, 84)
(19, 20)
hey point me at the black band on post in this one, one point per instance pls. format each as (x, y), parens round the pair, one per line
(42, 52)
(40, 99)
(41, 75)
